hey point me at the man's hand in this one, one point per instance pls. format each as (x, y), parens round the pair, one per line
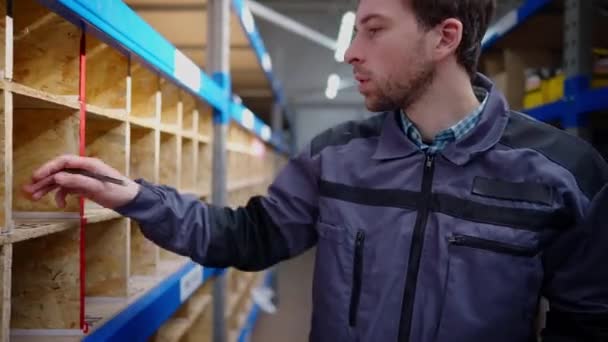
(50, 177)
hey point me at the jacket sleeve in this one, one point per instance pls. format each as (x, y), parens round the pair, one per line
(253, 237)
(577, 279)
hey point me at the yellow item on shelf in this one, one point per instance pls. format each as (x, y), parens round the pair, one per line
(599, 82)
(556, 88)
(533, 99)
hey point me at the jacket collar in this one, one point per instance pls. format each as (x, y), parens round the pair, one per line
(394, 144)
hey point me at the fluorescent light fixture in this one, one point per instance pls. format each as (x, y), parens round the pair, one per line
(345, 35)
(333, 83)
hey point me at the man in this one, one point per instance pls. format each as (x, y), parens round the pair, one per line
(444, 219)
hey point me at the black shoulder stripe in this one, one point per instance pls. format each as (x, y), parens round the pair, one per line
(344, 133)
(572, 153)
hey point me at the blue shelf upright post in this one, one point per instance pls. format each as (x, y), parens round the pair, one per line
(218, 61)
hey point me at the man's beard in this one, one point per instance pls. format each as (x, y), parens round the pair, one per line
(394, 94)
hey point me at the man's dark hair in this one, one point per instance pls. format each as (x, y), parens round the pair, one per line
(475, 16)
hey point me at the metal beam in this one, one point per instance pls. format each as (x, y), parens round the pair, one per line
(578, 27)
(291, 25)
(218, 61)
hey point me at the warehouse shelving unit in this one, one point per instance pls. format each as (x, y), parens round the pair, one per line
(550, 33)
(94, 78)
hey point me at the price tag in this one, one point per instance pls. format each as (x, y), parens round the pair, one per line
(186, 71)
(190, 282)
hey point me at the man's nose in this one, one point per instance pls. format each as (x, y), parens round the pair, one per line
(353, 55)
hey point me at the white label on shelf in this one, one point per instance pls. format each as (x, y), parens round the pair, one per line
(248, 119)
(186, 71)
(190, 282)
(266, 133)
(266, 62)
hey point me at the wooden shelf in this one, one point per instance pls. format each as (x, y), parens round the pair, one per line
(32, 229)
(45, 288)
(139, 122)
(144, 93)
(46, 49)
(150, 123)
(34, 98)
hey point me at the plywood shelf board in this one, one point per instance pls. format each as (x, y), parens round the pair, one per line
(45, 289)
(106, 140)
(189, 112)
(26, 97)
(172, 331)
(189, 156)
(107, 71)
(46, 49)
(142, 153)
(55, 133)
(144, 253)
(170, 95)
(145, 91)
(168, 160)
(107, 272)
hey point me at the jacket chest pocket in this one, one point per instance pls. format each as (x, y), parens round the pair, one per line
(490, 292)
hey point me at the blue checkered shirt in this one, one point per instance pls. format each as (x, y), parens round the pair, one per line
(449, 135)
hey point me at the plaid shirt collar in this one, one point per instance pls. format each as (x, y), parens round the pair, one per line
(449, 135)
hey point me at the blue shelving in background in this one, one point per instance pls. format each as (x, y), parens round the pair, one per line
(579, 98)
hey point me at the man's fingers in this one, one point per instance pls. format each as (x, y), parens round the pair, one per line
(67, 161)
(60, 197)
(78, 183)
(43, 191)
(35, 187)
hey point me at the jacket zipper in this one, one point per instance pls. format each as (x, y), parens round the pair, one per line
(490, 245)
(357, 278)
(409, 294)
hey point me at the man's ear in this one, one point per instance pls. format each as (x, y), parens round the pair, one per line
(449, 35)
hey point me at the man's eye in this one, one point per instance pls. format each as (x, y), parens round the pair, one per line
(373, 31)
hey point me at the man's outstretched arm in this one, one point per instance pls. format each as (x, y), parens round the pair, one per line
(267, 230)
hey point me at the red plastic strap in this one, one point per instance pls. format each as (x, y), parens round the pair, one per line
(82, 152)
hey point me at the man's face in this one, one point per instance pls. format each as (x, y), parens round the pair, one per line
(390, 55)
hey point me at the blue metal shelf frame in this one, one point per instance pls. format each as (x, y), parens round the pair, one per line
(142, 318)
(579, 99)
(118, 25)
(511, 20)
(247, 329)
